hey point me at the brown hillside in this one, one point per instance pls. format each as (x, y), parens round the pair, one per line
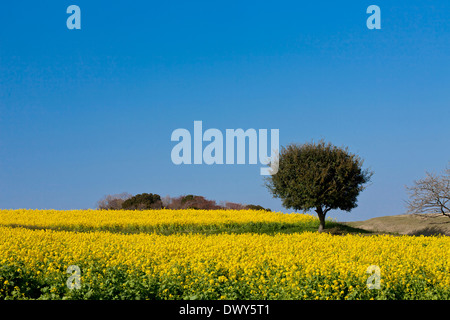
(410, 224)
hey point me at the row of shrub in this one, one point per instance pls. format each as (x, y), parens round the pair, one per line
(145, 201)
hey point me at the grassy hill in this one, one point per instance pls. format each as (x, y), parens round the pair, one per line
(408, 224)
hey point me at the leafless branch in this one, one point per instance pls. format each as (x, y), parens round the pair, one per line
(430, 194)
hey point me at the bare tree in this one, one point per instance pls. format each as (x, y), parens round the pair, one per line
(234, 206)
(166, 201)
(430, 194)
(113, 201)
(198, 202)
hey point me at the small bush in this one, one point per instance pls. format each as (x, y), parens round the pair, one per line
(143, 201)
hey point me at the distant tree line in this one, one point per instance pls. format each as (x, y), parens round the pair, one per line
(145, 201)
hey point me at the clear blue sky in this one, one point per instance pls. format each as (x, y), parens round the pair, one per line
(90, 112)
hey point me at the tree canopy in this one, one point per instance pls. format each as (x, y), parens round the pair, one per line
(318, 176)
(143, 201)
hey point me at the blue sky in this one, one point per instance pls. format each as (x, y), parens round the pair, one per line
(90, 112)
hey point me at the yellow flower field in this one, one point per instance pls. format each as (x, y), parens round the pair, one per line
(304, 265)
(148, 220)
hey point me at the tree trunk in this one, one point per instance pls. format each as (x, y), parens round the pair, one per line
(321, 215)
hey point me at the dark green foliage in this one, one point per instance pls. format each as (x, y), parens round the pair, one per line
(318, 176)
(189, 197)
(143, 201)
(256, 207)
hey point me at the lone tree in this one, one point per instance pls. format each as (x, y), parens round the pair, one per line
(430, 194)
(318, 176)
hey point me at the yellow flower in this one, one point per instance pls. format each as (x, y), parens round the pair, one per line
(265, 266)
